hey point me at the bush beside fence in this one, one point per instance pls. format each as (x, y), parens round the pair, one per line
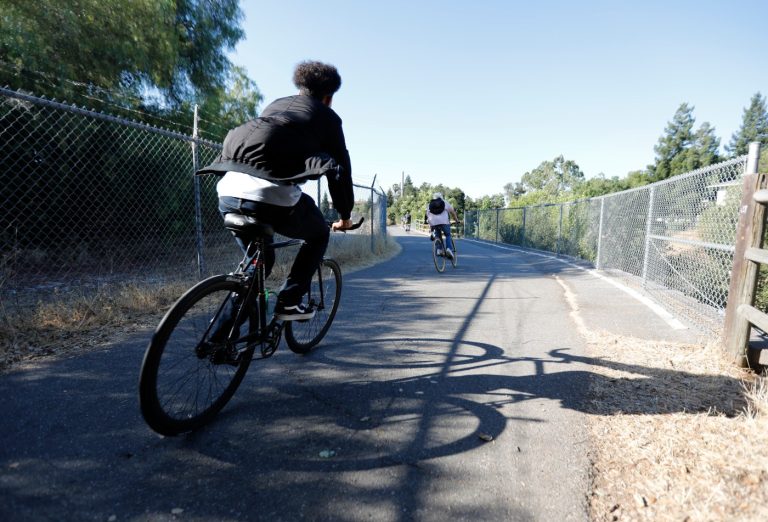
(91, 200)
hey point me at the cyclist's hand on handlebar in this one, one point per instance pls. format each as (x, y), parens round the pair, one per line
(342, 224)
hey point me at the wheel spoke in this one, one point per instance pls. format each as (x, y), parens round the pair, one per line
(302, 336)
(180, 387)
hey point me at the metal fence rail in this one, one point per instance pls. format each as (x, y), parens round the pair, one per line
(90, 199)
(675, 238)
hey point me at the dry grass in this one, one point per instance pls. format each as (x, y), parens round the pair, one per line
(678, 433)
(77, 323)
(74, 323)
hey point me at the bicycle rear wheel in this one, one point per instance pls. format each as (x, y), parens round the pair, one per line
(439, 258)
(324, 295)
(186, 376)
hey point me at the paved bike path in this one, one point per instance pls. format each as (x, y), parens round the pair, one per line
(454, 396)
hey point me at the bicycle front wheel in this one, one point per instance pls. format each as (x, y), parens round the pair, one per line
(197, 357)
(438, 254)
(324, 296)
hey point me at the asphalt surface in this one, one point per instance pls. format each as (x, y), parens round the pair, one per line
(454, 396)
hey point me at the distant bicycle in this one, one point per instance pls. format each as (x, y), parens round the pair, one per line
(438, 249)
(203, 346)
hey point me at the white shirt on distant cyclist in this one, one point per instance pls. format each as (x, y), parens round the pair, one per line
(443, 221)
(443, 218)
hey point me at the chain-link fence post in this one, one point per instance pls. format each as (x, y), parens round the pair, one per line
(373, 239)
(560, 230)
(600, 233)
(383, 205)
(522, 229)
(198, 206)
(648, 223)
(497, 225)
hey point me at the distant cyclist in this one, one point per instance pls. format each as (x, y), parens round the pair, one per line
(437, 216)
(407, 220)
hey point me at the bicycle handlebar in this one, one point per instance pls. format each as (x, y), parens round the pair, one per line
(354, 226)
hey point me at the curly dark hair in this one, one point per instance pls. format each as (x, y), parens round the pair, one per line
(316, 79)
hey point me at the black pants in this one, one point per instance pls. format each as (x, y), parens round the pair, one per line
(302, 221)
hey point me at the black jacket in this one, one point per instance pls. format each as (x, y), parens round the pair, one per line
(295, 139)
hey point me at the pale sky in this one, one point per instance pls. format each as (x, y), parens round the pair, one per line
(473, 94)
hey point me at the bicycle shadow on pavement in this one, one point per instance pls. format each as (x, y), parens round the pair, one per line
(365, 423)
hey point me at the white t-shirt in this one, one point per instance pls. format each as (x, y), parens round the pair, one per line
(244, 186)
(440, 219)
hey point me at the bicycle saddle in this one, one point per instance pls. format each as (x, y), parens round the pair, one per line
(243, 225)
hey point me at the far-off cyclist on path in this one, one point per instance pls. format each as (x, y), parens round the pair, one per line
(437, 215)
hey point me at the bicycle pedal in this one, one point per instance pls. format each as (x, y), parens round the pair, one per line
(267, 350)
(270, 344)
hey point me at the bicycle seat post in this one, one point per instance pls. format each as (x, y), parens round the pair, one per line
(254, 234)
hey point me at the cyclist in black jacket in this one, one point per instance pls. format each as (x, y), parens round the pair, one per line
(264, 161)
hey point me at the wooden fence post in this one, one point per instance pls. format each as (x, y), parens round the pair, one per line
(749, 235)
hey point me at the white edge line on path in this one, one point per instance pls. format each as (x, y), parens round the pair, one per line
(655, 307)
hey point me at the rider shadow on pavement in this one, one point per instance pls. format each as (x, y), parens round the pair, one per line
(284, 447)
(470, 400)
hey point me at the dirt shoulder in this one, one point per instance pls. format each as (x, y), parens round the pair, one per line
(678, 433)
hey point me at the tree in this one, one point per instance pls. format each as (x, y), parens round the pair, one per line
(636, 178)
(598, 186)
(706, 146)
(754, 127)
(513, 191)
(489, 202)
(153, 55)
(553, 178)
(415, 200)
(681, 149)
(236, 102)
(677, 138)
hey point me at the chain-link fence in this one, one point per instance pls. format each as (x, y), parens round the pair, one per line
(89, 199)
(674, 237)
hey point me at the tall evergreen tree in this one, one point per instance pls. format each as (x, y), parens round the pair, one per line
(706, 146)
(754, 127)
(677, 138)
(703, 151)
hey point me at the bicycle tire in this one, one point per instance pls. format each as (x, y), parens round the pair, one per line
(439, 259)
(455, 256)
(302, 336)
(184, 381)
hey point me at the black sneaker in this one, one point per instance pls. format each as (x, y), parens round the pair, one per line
(297, 312)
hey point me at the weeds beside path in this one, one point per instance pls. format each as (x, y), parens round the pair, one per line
(67, 325)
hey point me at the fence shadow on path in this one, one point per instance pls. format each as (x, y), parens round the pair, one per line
(361, 424)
